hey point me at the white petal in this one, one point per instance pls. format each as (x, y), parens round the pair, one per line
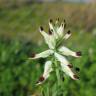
(48, 39)
(67, 52)
(60, 30)
(43, 54)
(46, 73)
(45, 35)
(52, 42)
(61, 58)
(67, 35)
(52, 28)
(47, 69)
(57, 21)
(65, 66)
(67, 70)
(51, 25)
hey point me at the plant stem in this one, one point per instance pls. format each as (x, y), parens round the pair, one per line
(48, 91)
(57, 73)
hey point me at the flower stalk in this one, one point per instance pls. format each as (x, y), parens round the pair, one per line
(57, 72)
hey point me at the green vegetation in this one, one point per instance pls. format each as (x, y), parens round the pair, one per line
(19, 37)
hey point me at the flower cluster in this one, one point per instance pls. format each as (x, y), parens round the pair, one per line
(54, 39)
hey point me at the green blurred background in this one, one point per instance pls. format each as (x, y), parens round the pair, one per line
(19, 38)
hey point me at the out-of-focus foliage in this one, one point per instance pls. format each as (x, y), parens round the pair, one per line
(16, 72)
(19, 26)
(21, 19)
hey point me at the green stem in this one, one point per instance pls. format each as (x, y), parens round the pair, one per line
(57, 73)
(48, 91)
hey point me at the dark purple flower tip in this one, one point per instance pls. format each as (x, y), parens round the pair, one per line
(51, 20)
(75, 76)
(41, 28)
(70, 65)
(63, 78)
(77, 69)
(57, 19)
(50, 32)
(69, 32)
(78, 53)
(33, 55)
(64, 25)
(41, 79)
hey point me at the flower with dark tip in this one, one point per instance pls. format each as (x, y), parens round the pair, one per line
(52, 38)
(78, 53)
(33, 55)
(50, 32)
(68, 32)
(77, 69)
(70, 66)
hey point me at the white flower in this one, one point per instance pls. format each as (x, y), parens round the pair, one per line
(53, 39)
